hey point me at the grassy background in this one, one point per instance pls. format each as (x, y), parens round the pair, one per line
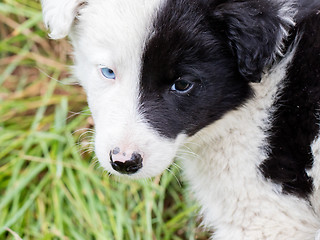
(50, 184)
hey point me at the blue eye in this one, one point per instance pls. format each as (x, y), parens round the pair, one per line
(108, 73)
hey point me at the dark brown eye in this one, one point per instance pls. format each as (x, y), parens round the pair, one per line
(181, 86)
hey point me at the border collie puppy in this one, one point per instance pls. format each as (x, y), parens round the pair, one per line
(231, 87)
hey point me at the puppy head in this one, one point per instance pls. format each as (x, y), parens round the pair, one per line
(157, 72)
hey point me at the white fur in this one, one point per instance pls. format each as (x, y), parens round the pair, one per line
(286, 13)
(315, 174)
(235, 199)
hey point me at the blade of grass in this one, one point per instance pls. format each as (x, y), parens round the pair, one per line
(15, 235)
(21, 183)
(26, 204)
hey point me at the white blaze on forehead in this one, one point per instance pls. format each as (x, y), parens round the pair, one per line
(121, 26)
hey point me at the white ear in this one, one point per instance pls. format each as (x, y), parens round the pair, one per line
(59, 15)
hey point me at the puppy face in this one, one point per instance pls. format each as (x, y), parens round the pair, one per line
(157, 72)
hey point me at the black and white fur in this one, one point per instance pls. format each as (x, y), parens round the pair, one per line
(229, 87)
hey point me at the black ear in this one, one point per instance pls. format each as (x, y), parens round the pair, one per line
(254, 30)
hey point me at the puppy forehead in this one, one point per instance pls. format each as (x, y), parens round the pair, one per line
(115, 27)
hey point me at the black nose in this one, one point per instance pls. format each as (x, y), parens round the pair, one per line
(128, 167)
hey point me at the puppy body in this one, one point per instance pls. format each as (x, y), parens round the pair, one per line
(230, 87)
(237, 201)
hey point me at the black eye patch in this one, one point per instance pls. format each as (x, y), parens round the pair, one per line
(189, 78)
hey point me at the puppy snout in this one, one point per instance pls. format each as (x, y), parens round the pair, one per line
(125, 162)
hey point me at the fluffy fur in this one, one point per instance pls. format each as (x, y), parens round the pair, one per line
(229, 87)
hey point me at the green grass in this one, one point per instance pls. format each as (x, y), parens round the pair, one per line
(50, 184)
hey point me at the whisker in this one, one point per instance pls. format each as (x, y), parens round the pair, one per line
(73, 83)
(186, 153)
(78, 113)
(83, 129)
(86, 151)
(177, 166)
(171, 172)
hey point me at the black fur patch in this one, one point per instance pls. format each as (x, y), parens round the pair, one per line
(219, 46)
(297, 116)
